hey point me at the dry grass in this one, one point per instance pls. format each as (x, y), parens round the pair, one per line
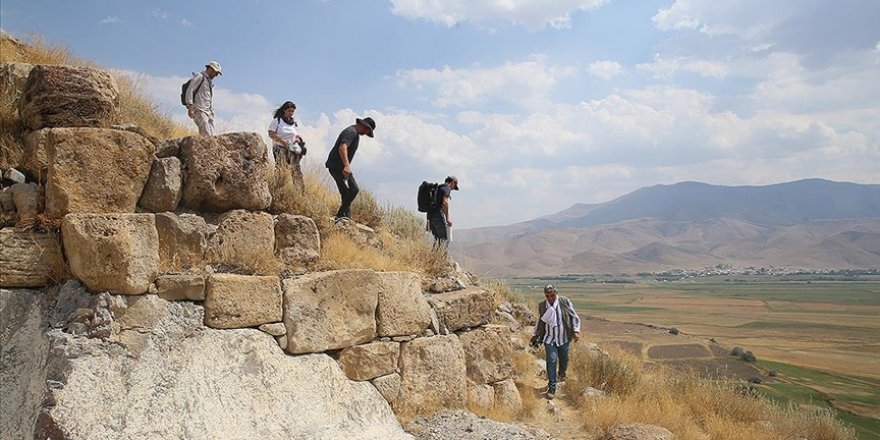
(690, 407)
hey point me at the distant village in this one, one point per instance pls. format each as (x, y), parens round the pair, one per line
(794, 273)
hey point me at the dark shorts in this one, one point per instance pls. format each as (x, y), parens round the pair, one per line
(438, 225)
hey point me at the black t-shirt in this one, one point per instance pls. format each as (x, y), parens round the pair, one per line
(350, 137)
(442, 191)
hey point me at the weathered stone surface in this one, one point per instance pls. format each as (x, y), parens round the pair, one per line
(168, 148)
(508, 402)
(274, 329)
(136, 129)
(93, 170)
(68, 96)
(470, 307)
(7, 203)
(244, 240)
(360, 234)
(388, 386)
(234, 301)
(481, 399)
(13, 77)
(523, 314)
(28, 198)
(402, 308)
(35, 159)
(447, 283)
(181, 287)
(639, 431)
(29, 259)
(112, 252)
(163, 375)
(297, 241)
(225, 172)
(433, 375)
(183, 240)
(330, 310)
(162, 191)
(368, 361)
(488, 353)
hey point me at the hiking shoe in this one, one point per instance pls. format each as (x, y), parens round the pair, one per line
(561, 379)
(551, 393)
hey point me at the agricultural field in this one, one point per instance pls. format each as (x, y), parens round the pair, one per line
(820, 337)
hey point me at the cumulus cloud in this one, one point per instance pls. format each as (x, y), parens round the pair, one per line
(666, 68)
(604, 69)
(520, 83)
(533, 15)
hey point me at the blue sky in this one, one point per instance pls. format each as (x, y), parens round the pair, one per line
(533, 105)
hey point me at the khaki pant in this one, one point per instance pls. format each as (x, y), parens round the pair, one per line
(205, 122)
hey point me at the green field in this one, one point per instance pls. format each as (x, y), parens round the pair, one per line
(820, 334)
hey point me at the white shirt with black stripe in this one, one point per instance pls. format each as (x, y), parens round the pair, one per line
(557, 335)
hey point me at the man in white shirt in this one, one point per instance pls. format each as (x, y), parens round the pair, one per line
(199, 98)
(558, 324)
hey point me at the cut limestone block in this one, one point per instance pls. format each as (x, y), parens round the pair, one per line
(234, 301)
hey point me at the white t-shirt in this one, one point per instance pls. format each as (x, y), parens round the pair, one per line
(284, 131)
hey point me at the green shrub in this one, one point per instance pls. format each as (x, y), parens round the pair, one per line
(674, 331)
(737, 351)
(748, 357)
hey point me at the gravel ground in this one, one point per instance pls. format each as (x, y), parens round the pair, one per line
(463, 425)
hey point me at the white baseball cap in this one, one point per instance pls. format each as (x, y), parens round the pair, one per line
(214, 65)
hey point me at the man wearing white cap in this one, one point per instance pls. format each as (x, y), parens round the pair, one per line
(199, 98)
(558, 324)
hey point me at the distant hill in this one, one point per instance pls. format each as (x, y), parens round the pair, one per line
(810, 223)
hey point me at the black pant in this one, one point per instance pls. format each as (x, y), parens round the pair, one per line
(348, 190)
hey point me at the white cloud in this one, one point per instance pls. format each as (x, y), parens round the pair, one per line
(110, 19)
(160, 14)
(534, 15)
(667, 68)
(185, 23)
(604, 69)
(745, 18)
(522, 83)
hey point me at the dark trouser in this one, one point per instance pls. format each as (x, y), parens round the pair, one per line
(437, 222)
(556, 354)
(348, 190)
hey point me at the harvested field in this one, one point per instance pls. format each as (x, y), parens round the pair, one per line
(677, 351)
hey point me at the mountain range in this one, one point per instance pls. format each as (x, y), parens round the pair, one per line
(811, 223)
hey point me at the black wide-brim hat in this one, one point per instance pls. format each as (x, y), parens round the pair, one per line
(367, 122)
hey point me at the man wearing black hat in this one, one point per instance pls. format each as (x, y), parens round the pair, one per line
(438, 219)
(558, 324)
(339, 163)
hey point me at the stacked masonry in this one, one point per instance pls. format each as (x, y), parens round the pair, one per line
(145, 222)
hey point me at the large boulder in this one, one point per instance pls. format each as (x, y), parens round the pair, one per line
(433, 376)
(369, 361)
(235, 301)
(29, 259)
(95, 170)
(488, 353)
(225, 172)
(244, 240)
(68, 96)
(330, 310)
(402, 308)
(160, 374)
(162, 191)
(481, 399)
(112, 252)
(470, 307)
(508, 401)
(183, 240)
(297, 242)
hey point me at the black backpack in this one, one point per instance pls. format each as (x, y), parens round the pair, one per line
(185, 86)
(428, 197)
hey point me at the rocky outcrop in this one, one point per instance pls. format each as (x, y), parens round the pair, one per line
(29, 259)
(402, 308)
(94, 170)
(244, 240)
(297, 242)
(235, 301)
(183, 240)
(433, 375)
(330, 310)
(456, 310)
(118, 253)
(68, 96)
(162, 190)
(161, 374)
(225, 172)
(639, 431)
(358, 233)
